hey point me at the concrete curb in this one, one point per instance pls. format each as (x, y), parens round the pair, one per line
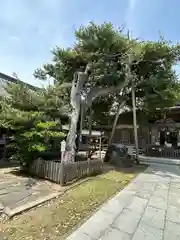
(149, 160)
(10, 213)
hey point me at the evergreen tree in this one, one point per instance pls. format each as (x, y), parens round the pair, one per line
(32, 119)
(104, 65)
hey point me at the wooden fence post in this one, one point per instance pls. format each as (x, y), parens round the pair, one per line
(62, 180)
(63, 147)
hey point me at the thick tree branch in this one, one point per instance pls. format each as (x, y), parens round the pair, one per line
(97, 92)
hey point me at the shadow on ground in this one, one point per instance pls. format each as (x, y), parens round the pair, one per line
(136, 168)
(7, 164)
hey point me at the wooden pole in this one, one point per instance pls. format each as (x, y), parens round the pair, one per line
(63, 147)
(100, 146)
(81, 123)
(135, 124)
(5, 147)
(62, 176)
(90, 131)
(130, 77)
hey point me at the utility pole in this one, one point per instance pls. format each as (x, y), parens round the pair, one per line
(135, 124)
(129, 75)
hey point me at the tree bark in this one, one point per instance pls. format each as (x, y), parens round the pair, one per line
(77, 86)
(115, 122)
(78, 82)
(99, 91)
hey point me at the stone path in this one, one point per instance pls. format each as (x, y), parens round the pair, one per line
(18, 193)
(148, 209)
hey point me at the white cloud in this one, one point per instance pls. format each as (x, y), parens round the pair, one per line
(15, 38)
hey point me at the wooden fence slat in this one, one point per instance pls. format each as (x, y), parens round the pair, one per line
(62, 172)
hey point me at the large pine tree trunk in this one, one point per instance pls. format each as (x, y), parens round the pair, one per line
(78, 81)
(77, 86)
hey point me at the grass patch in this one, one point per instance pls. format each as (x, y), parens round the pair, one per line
(55, 219)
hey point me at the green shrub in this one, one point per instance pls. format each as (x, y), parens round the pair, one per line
(28, 143)
(30, 123)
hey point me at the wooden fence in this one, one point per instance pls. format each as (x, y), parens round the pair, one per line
(163, 152)
(62, 173)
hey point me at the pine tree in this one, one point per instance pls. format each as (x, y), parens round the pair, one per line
(32, 119)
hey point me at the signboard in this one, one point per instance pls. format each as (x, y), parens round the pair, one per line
(63, 146)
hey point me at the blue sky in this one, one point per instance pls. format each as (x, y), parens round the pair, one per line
(29, 29)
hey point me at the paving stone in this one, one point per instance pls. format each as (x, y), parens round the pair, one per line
(173, 214)
(174, 190)
(174, 199)
(165, 180)
(160, 179)
(150, 169)
(161, 193)
(127, 221)
(149, 178)
(145, 190)
(3, 191)
(113, 234)
(149, 186)
(138, 205)
(146, 232)
(175, 180)
(172, 170)
(79, 236)
(115, 205)
(133, 186)
(124, 196)
(136, 186)
(14, 197)
(144, 193)
(154, 217)
(164, 174)
(5, 185)
(141, 178)
(138, 211)
(175, 185)
(12, 188)
(162, 186)
(14, 192)
(31, 198)
(158, 202)
(171, 231)
(97, 224)
(165, 167)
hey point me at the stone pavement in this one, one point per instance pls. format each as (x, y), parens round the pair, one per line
(18, 193)
(148, 208)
